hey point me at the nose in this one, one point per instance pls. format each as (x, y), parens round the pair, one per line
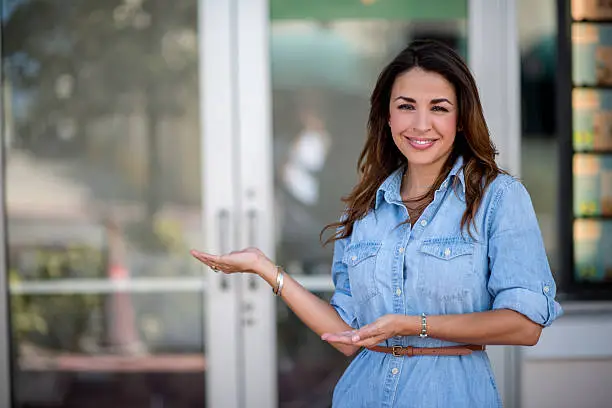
(422, 123)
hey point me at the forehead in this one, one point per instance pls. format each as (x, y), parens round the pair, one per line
(421, 84)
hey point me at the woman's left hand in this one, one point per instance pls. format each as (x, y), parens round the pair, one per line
(372, 334)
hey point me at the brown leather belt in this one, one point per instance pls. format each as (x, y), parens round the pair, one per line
(399, 351)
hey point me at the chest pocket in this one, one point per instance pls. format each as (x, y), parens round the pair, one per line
(446, 269)
(360, 259)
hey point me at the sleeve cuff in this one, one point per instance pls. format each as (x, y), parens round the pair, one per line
(342, 302)
(541, 308)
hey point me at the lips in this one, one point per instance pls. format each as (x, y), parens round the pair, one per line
(421, 143)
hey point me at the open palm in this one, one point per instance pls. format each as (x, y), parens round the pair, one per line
(246, 260)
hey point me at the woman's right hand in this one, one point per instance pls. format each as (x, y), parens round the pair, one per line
(315, 312)
(250, 260)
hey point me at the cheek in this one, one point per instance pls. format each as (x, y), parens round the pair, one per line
(400, 123)
(446, 127)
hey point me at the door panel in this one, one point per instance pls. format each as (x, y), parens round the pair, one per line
(111, 175)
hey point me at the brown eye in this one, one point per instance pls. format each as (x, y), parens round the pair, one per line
(439, 109)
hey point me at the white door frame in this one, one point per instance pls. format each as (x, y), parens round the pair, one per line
(255, 198)
(494, 57)
(219, 130)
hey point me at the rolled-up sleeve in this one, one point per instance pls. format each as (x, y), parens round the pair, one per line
(342, 300)
(520, 277)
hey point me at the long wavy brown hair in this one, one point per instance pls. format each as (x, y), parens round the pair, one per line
(380, 156)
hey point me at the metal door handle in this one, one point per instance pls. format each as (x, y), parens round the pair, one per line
(253, 282)
(224, 244)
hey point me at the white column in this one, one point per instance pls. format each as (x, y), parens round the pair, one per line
(255, 166)
(493, 56)
(217, 143)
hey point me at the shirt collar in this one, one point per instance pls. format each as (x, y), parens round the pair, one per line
(390, 188)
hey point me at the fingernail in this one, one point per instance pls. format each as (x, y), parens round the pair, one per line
(355, 338)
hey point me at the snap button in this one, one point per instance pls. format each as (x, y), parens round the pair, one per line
(447, 252)
(424, 222)
(395, 370)
(546, 289)
(353, 258)
(398, 291)
(401, 250)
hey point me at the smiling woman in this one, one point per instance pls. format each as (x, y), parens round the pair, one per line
(437, 254)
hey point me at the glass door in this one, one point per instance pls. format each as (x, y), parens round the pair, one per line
(110, 177)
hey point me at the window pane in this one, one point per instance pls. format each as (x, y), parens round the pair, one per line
(103, 202)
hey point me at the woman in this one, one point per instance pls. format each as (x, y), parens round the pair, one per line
(437, 255)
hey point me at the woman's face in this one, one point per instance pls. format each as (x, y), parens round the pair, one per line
(423, 116)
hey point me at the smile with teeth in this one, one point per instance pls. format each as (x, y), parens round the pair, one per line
(421, 143)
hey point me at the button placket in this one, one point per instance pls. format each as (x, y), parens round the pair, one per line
(398, 270)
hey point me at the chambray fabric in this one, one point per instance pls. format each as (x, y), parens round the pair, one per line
(390, 267)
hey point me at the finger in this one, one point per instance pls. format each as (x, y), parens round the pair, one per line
(211, 264)
(212, 261)
(197, 253)
(372, 341)
(342, 337)
(338, 339)
(365, 333)
(206, 258)
(207, 263)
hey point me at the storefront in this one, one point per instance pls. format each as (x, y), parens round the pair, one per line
(135, 130)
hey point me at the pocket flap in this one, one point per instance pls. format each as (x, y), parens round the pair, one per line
(447, 249)
(358, 251)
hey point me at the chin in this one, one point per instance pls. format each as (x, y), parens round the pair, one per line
(423, 158)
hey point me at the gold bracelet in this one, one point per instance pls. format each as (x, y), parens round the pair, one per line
(279, 281)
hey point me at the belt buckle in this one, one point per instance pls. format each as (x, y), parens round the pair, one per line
(396, 351)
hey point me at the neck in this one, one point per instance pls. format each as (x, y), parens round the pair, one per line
(418, 179)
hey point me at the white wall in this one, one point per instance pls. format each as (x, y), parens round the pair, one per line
(571, 367)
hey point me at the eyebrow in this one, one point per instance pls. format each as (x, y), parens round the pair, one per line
(433, 101)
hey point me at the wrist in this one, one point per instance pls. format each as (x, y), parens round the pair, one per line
(266, 269)
(410, 325)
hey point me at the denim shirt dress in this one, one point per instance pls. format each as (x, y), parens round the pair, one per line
(387, 266)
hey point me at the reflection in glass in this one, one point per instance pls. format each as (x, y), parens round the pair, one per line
(539, 144)
(591, 54)
(322, 76)
(592, 243)
(592, 185)
(592, 119)
(103, 199)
